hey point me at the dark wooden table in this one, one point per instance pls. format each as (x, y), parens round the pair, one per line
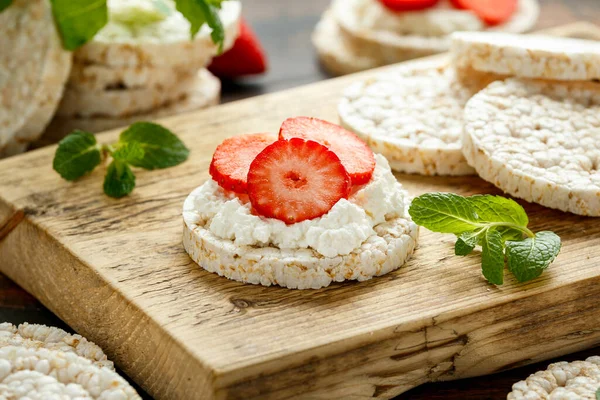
(284, 27)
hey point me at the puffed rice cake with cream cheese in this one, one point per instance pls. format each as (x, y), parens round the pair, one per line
(380, 254)
(162, 44)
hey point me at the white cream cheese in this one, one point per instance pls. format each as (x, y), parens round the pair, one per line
(148, 21)
(441, 20)
(139, 12)
(344, 228)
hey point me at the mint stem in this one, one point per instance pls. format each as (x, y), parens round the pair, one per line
(107, 149)
(523, 229)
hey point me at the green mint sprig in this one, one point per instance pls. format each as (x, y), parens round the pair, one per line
(78, 21)
(143, 144)
(598, 394)
(497, 224)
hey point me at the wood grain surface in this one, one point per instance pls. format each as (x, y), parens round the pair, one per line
(115, 271)
(284, 27)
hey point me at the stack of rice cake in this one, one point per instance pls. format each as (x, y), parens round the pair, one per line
(520, 111)
(127, 74)
(355, 35)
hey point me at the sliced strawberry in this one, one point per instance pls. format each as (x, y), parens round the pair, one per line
(408, 5)
(232, 159)
(356, 156)
(246, 57)
(295, 180)
(492, 12)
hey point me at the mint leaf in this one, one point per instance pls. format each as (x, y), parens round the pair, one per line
(528, 258)
(77, 154)
(119, 180)
(143, 144)
(78, 21)
(200, 12)
(492, 257)
(4, 4)
(598, 394)
(129, 153)
(497, 224)
(498, 209)
(444, 213)
(466, 243)
(162, 149)
(502, 210)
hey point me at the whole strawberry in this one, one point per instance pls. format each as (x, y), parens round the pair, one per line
(246, 57)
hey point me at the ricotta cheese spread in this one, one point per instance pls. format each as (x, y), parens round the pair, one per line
(440, 20)
(344, 228)
(146, 21)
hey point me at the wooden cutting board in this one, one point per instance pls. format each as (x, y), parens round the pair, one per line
(116, 272)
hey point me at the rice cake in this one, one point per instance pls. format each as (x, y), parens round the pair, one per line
(49, 93)
(538, 141)
(576, 380)
(121, 103)
(529, 56)
(417, 34)
(39, 373)
(97, 77)
(205, 93)
(12, 148)
(40, 336)
(388, 250)
(32, 67)
(339, 55)
(413, 116)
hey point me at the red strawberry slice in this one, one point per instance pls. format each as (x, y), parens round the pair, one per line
(408, 5)
(492, 12)
(356, 156)
(295, 180)
(232, 159)
(246, 57)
